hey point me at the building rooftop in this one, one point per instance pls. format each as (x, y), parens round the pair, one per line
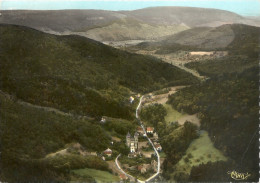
(108, 151)
(150, 128)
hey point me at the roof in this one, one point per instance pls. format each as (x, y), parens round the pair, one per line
(150, 128)
(108, 151)
(158, 145)
(128, 134)
(122, 176)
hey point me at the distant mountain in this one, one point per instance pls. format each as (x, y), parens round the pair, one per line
(190, 16)
(204, 39)
(148, 23)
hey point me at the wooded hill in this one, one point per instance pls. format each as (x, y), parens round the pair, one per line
(29, 134)
(227, 105)
(78, 75)
(228, 108)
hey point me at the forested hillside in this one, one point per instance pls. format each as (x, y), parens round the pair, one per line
(29, 134)
(228, 108)
(76, 74)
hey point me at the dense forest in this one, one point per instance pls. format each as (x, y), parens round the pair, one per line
(76, 74)
(228, 108)
(28, 135)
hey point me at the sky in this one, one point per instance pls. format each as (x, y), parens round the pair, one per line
(242, 7)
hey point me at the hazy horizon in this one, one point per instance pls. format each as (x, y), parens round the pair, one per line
(241, 7)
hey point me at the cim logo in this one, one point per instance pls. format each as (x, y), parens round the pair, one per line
(238, 176)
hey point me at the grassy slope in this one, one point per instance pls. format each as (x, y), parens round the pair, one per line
(200, 151)
(99, 176)
(172, 114)
(76, 74)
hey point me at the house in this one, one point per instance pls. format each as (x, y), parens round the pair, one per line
(131, 99)
(149, 130)
(158, 147)
(132, 142)
(103, 120)
(123, 177)
(108, 152)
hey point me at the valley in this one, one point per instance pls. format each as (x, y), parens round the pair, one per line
(157, 94)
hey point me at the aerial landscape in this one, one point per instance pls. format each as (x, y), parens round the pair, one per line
(156, 93)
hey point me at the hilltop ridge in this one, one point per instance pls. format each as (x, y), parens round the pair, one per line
(104, 25)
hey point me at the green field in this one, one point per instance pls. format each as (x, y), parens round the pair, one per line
(201, 150)
(172, 114)
(98, 175)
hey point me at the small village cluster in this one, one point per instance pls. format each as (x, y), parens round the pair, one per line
(132, 142)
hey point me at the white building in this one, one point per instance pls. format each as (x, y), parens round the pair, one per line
(131, 99)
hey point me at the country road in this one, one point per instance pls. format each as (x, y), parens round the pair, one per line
(126, 174)
(157, 154)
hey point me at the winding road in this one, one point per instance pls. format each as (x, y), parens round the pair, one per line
(157, 154)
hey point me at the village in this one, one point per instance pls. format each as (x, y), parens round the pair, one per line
(134, 154)
(140, 161)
